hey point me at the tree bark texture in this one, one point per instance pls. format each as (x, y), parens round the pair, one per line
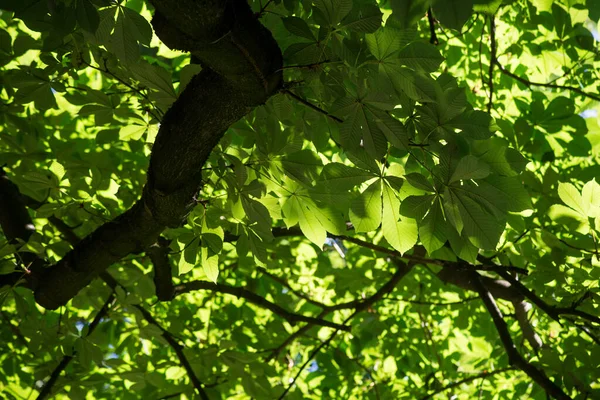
(241, 68)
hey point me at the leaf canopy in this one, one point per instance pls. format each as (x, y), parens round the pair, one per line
(394, 199)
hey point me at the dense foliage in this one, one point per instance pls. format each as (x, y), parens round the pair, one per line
(300, 199)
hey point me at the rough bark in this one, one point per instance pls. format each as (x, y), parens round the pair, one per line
(241, 70)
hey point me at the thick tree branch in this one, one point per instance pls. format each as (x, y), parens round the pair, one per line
(514, 357)
(242, 64)
(256, 300)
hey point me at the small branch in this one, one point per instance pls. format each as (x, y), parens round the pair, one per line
(433, 37)
(263, 8)
(312, 355)
(423, 260)
(359, 305)
(14, 328)
(178, 348)
(482, 375)
(546, 85)
(306, 66)
(553, 312)
(290, 339)
(123, 82)
(492, 58)
(432, 303)
(514, 357)
(256, 300)
(311, 106)
(285, 284)
(47, 388)
(584, 328)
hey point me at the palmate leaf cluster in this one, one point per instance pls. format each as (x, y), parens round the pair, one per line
(442, 134)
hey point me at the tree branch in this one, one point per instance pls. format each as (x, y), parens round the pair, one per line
(359, 305)
(62, 365)
(178, 349)
(242, 65)
(256, 300)
(285, 284)
(432, 35)
(492, 58)
(546, 85)
(482, 375)
(312, 106)
(553, 312)
(514, 357)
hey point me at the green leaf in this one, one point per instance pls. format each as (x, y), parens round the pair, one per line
(470, 167)
(310, 224)
(407, 82)
(299, 27)
(432, 230)
(393, 129)
(5, 42)
(401, 233)
(453, 13)
(156, 78)
(474, 124)
(331, 12)
(408, 12)
(360, 130)
(571, 197)
(419, 181)
(132, 132)
(337, 177)
(416, 206)
(365, 210)
(384, 43)
(210, 265)
(41, 94)
(87, 16)
(421, 56)
(304, 212)
(590, 198)
(364, 17)
(482, 228)
(486, 6)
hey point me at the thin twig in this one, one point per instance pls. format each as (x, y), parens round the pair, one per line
(311, 106)
(492, 58)
(546, 85)
(432, 303)
(285, 284)
(47, 388)
(484, 374)
(178, 348)
(127, 84)
(401, 271)
(311, 356)
(432, 35)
